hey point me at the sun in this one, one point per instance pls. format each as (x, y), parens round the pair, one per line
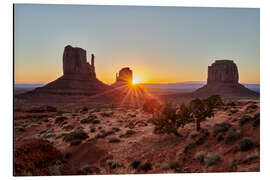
(135, 81)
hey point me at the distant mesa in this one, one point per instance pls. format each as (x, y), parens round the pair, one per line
(79, 77)
(124, 78)
(223, 79)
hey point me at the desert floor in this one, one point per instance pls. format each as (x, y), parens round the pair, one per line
(120, 140)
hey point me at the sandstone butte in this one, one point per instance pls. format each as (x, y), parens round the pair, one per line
(223, 79)
(124, 78)
(79, 77)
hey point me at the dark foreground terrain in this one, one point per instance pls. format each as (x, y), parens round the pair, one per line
(61, 140)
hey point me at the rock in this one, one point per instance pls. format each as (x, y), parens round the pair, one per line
(223, 80)
(125, 77)
(223, 71)
(74, 62)
(79, 79)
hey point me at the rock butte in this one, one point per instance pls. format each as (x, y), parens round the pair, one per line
(79, 77)
(223, 79)
(124, 77)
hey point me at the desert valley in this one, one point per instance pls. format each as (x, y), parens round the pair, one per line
(79, 125)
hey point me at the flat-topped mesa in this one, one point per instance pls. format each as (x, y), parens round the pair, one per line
(223, 71)
(75, 62)
(223, 79)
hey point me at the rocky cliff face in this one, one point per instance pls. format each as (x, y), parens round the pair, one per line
(223, 71)
(75, 62)
(79, 77)
(223, 79)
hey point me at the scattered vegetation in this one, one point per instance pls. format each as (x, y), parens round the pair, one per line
(60, 119)
(168, 117)
(75, 137)
(256, 119)
(203, 108)
(232, 136)
(221, 128)
(244, 120)
(212, 159)
(114, 140)
(245, 144)
(146, 166)
(250, 158)
(135, 164)
(200, 156)
(130, 132)
(86, 168)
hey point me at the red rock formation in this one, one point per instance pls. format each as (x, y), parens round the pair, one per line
(223, 79)
(36, 157)
(79, 77)
(223, 71)
(125, 77)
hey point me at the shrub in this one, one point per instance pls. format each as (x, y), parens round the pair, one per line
(86, 168)
(234, 111)
(244, 120)
(204, 135)
(77, 134)
(256, 119)
(250, 158)
(146, 167)
(212, 159)
(115, 129)
(135, 164)
(96, 121)
(130, 132)
(84, 110)
(245, 144)
(232, 136)
(86, 120)
(114, 140)
(193, 134)
(189, 146)
(75, 142)
(200, 156)
(221, 128)
(112, 164)
(60, 119)
(92, 129)
(170, 119)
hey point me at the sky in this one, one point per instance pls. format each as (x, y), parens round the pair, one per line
(160, 44)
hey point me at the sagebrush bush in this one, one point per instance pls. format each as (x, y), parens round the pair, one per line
(200, 156)
(245, 144)
(212, 159)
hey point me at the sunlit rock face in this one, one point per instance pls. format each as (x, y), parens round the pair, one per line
(223, 80)
(124, 77)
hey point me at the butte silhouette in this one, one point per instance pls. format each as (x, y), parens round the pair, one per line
(223, 79)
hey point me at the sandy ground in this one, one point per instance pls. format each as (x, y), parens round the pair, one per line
(130, 140)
